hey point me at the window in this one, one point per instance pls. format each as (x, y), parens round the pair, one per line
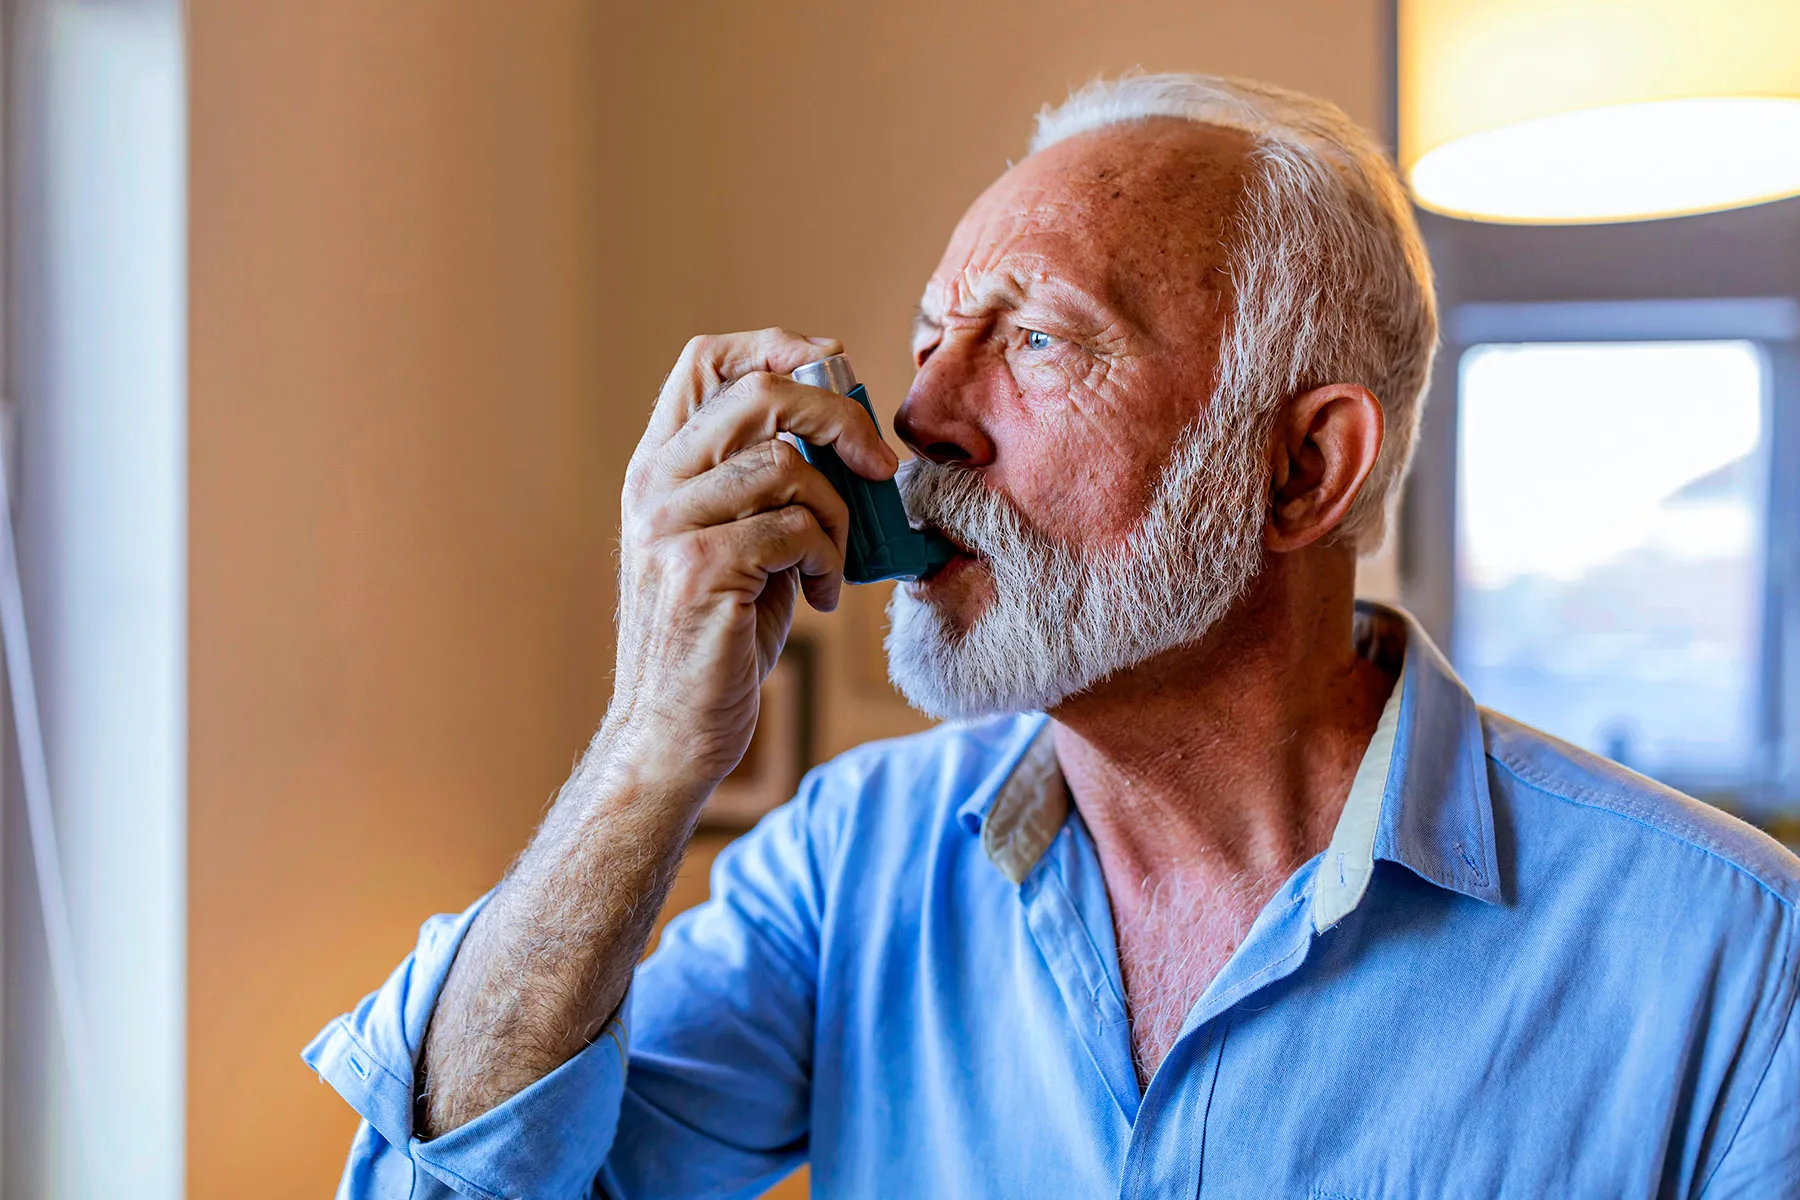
(1612, 519)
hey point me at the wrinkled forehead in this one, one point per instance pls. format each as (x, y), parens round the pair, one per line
(1138, 214)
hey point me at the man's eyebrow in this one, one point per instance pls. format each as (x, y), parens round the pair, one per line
(1088, 303)
(999, 294)
(989, 295)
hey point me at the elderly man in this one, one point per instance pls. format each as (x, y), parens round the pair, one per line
(1220, 883)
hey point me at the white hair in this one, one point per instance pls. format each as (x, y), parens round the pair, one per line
(1331, 280)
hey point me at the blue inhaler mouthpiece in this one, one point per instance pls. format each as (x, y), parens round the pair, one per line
(882, 543)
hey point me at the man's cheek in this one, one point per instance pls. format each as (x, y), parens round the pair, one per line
(1081, 494)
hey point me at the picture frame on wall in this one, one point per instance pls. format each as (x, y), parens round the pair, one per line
(781, 749)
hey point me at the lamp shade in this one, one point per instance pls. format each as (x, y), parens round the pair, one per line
(1580, 111)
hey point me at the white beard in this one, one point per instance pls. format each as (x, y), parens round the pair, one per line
(1063, 619)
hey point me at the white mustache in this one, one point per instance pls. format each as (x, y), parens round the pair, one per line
(958, 503)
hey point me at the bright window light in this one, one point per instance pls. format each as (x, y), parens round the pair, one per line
(1609, 574)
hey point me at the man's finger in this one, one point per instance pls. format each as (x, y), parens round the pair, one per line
(742, 555)
(712, 361)
(763, 478)
(762, 404)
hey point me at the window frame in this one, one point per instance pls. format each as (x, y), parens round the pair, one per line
(1772, 325)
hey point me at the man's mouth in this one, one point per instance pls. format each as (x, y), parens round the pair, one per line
(964, 556)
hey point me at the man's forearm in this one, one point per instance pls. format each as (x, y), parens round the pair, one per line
(547, 962)
(724, 526)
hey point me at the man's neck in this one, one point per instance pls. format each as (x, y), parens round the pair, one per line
(1235, 754)
(1207, 776)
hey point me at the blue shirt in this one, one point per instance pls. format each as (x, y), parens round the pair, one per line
(1518, 970)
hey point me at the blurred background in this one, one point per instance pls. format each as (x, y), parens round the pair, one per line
(330, 326)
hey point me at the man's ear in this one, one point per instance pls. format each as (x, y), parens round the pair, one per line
(1321, 449)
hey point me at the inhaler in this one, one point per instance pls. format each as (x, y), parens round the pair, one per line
(882, 543)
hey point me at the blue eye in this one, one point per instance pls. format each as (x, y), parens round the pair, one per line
(1037, 341)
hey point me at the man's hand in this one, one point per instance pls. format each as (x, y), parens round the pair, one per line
(724, 526)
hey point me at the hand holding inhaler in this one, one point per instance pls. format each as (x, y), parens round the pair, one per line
(727, 521)
(725, 524)
(882, 543)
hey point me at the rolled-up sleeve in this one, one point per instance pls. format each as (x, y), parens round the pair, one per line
(548, 1140)
(717, 1100)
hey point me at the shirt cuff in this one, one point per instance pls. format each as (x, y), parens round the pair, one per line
(547, 1140)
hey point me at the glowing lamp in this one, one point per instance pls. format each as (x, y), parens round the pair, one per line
(1582, 111)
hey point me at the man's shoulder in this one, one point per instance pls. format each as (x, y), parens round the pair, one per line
(934, 772)
(1602, 802)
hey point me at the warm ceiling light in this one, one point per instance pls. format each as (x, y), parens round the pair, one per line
(1574, 111)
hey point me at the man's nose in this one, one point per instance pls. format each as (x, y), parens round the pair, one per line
(941, 418)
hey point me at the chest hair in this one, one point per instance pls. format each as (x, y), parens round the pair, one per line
(1172, 943)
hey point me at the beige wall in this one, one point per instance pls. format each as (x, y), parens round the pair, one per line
(399, 510)
(441, 254)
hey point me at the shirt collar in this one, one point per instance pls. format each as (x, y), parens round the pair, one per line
(1437, 819)
(1419, 797)
(1349, 860)
(1019, 809)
